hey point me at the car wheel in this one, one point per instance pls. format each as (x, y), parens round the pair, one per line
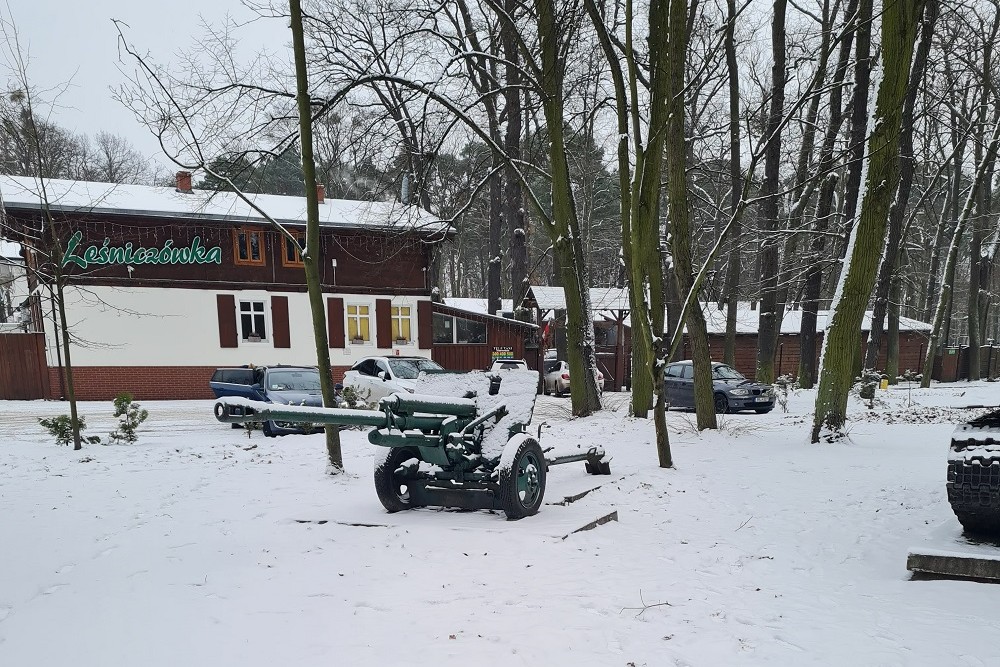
(721, 404)
(268, 429)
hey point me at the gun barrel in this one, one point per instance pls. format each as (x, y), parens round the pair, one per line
(241, 411)
(408, 404)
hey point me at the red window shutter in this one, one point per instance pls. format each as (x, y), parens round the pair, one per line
(226, 304)
(383, 323)
(335, 321)
(279, 321)
(425, 324)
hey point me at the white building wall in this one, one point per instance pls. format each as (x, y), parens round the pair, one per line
(180, 327)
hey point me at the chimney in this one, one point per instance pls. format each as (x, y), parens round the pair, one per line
(320, 192)
(183, 181)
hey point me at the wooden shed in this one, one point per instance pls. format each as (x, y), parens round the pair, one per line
(464, 340)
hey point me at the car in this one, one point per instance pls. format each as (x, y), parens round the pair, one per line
(378, 377)
(284, 385)
(509, 364)
(733, 392)
(556, 379)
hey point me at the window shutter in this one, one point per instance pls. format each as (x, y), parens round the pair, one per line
(425, 326)
(335, 321)
(279, 321)
(383, 323)
(226, 304)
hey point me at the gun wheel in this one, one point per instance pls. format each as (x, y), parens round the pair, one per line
(522, 478)
(390, 486)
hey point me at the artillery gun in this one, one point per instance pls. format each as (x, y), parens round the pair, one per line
(461, 440)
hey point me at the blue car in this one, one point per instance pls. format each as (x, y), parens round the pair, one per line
(284, 385)
(733, 392)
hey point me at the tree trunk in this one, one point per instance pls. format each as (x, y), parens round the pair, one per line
(517, 219)
(64, 329)
(730, 291)
(767, 331)
(824, 210)
(564, 228)
(841, 341)
(897, 211)
(859, 114)
(310, 257)
(680, 236)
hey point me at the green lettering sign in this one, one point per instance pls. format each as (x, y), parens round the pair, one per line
(105, 253)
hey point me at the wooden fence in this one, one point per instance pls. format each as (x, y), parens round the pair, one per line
(23, 370)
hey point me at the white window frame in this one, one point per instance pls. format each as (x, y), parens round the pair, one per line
(395, 315)
(347, 322)
(264, 312)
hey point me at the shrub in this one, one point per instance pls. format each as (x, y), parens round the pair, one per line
(130, 415)
(61, 428)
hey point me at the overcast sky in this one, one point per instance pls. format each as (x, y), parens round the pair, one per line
(74, 40)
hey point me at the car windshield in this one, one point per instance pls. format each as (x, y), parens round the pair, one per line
(726, 373)
(298, 380)
(408, 369)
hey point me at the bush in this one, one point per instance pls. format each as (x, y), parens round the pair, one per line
(130, 415)
(61, 428)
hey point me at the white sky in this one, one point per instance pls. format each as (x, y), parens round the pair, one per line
(76, 41)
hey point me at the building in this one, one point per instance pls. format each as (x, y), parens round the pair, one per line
(164, 284)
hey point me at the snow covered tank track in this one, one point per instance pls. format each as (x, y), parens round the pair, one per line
(974, 474)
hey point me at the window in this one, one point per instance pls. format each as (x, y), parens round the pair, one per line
(248, 247)
(253, 322)
(469, 331)
(444, 328)
(359, 324)
(448, 329)
(687, 371)
(366, 367)
(409, 369)
(401, 324)
(292, 252)
(673, 371)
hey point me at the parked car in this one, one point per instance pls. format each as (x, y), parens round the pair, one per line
(378, 377)
(733, 392)
(556, 380)
(285, 385)
(509, 364)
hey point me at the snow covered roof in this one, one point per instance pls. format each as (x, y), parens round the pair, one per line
(747, 320)
(18, 192)
(601, 298)
(477, 305)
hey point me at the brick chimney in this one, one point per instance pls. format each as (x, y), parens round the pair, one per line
(183, 181)
(320, 192)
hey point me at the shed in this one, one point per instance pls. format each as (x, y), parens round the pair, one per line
(466, 340)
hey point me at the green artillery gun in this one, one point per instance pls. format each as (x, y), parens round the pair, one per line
(461, 440)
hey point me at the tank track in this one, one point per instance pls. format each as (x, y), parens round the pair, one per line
(974, 474)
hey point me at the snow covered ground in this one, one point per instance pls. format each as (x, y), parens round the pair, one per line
(198, 546)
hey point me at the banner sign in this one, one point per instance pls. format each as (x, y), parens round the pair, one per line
(500, 353)
(127, 254)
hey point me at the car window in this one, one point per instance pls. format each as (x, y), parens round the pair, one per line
(726, 373)
(293, 380)
(511, 365)
(236, 376)
(409, 369)
(687, 371)
(366, 367)
(217, 376)
(382, 367)
(673, 371)
(551, 366)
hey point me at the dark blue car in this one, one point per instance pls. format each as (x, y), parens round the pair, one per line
(733, 392)
(285, 385)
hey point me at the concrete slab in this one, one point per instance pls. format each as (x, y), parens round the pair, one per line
(949, 552)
